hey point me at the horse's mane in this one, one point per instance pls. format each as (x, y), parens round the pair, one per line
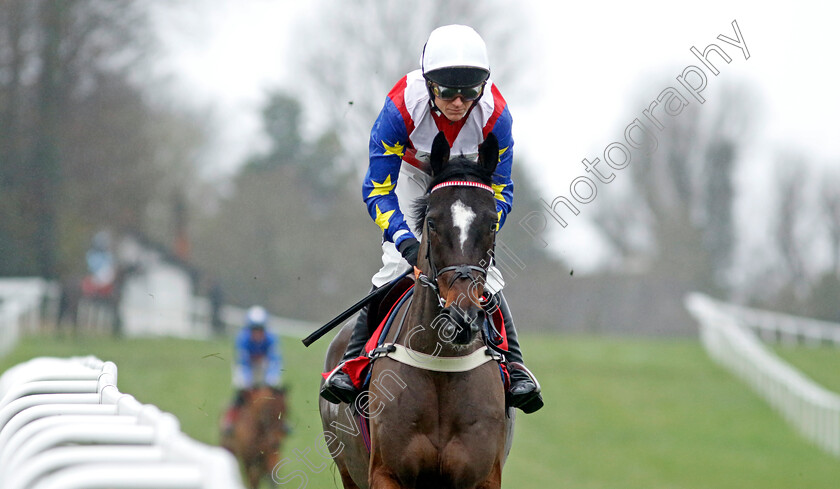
(460, 168)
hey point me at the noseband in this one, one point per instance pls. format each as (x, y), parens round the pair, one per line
(461, 270)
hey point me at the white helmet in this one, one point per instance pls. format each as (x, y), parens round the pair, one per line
(455, 56)
(257, 317)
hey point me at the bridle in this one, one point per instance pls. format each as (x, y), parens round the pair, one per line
(461, 270)
(459, 363)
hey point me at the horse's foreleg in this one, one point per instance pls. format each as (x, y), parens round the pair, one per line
(383, 479)
(255, 473)
(346, 480)
(495, 479)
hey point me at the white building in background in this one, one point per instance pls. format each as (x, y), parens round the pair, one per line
(158, 296)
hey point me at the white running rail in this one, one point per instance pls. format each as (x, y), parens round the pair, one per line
(64, 425)
(812, 409)
(21, 303)
(774, 326)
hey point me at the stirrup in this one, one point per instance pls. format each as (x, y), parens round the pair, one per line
(532, 401)
(524, 369)
(334, 395)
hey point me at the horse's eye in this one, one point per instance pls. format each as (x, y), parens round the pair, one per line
(431, 224)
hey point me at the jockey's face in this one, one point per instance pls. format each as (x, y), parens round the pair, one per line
(454, 109)
(257, 334)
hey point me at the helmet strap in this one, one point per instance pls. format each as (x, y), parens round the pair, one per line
(475, 102)
(432, 97)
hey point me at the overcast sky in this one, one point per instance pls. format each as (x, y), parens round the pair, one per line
(595, 58)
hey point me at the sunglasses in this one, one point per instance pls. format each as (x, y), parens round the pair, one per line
(446, 93)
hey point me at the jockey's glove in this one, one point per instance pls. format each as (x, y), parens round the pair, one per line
(409, 249)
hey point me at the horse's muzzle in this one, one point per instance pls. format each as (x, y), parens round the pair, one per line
(461, 325)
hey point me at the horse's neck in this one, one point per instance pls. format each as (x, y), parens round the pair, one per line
(265, 399)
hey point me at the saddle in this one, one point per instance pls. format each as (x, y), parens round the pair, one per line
(379, 312)
(380, 323)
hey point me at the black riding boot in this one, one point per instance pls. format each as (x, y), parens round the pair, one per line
(232, 413)
(239, 400)
(524, 389)
(338, 387)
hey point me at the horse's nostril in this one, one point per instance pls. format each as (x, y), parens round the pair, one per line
(479, 319)
(450, 330)
(449, 325)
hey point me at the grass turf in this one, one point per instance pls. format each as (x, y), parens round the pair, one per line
(821, 363)
(620, 413)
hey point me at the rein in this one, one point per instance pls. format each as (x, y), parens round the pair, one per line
(425, 361)
(406, 355)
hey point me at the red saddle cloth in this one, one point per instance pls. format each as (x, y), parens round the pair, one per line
(357, 368)
(90, 288)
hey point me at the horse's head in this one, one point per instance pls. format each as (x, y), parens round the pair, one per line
(260, 431)
(459, 227)
(268, 408)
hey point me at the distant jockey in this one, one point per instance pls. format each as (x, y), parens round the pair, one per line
(101, 267)
(258, 361)
(451, 92)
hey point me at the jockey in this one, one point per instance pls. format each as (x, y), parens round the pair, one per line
(451, 92)
(258, 361)
(101, 265)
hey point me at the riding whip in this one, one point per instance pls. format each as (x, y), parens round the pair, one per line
(375, 294)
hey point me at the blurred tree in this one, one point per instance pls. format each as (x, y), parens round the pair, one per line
(294, 234)
(79, 147)
(791, 181)
(717, 201)
(364, 48)
(282, 120)
(290, 231)
(278, 250)
(295, 227)
(830, 203)
(674, 214)
(824, 298)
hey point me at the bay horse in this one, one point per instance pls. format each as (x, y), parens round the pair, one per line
(259, 432)
(436, 405)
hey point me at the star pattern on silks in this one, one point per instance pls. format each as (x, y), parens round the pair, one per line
(499, 187)
(497, 191)
(498, 219)
(396, 149)
(381, 219)
(383, 188)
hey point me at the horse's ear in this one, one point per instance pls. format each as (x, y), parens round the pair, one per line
(488, 153)
(440, 153)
